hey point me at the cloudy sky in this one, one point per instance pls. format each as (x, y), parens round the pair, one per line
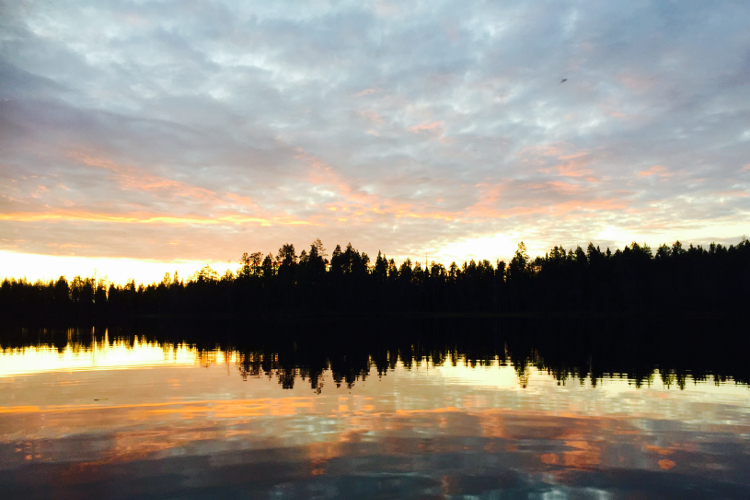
(195, 131)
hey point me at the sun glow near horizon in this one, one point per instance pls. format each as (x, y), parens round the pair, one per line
(494, 247)
(118, 271)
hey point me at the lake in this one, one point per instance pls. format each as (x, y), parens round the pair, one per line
(121, 414)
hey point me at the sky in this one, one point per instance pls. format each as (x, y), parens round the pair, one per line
(143, 137)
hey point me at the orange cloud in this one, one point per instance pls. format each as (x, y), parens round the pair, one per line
(241, 200)
(735, 194)
(357, 203)
(489, 201)
(136, 178)
(556, 186)
(490, 204)
(67, 245)
(659, 170)
(571, 164)
(576, 166)
(425, 126)
(145, 218)
(361, 202)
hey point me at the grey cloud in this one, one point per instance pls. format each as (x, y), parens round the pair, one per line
(408, 115)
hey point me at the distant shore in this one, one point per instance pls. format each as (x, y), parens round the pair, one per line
(674, 280)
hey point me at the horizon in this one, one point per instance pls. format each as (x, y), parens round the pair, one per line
(121, 268)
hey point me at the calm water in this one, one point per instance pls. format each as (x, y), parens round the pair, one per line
(132, 418)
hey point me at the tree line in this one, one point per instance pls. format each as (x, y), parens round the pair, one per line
(634, 279)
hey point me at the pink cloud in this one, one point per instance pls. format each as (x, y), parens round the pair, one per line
(576, 167)
(146, 218)
(659, 170)
(371, 115)
(735, 194)
(425, 126)
(137, 178)
(570, 164)
(241, 200)
(360, 204)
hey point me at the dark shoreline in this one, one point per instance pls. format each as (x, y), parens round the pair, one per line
(673, 281)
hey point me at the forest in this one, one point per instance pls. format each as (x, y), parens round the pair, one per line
(632, 280)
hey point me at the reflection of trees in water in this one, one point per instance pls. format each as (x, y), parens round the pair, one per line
(349, 351)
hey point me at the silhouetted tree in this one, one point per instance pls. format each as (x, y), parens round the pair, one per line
(633, 279)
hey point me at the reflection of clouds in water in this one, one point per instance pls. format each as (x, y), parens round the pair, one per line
(190, 423)
(536, 454)
(206, 382)
(454, 369)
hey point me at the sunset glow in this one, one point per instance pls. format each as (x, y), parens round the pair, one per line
(113, 270)
(164, 138)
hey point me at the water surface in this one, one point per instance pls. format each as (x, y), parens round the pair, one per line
(137, 418)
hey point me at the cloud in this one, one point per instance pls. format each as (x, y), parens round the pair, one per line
(426, 126)
(658, 170)
(125, 127)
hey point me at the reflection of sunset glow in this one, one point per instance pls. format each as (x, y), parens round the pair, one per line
(103, 356)
(666, 464)
(496, 373)
(143, 401)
